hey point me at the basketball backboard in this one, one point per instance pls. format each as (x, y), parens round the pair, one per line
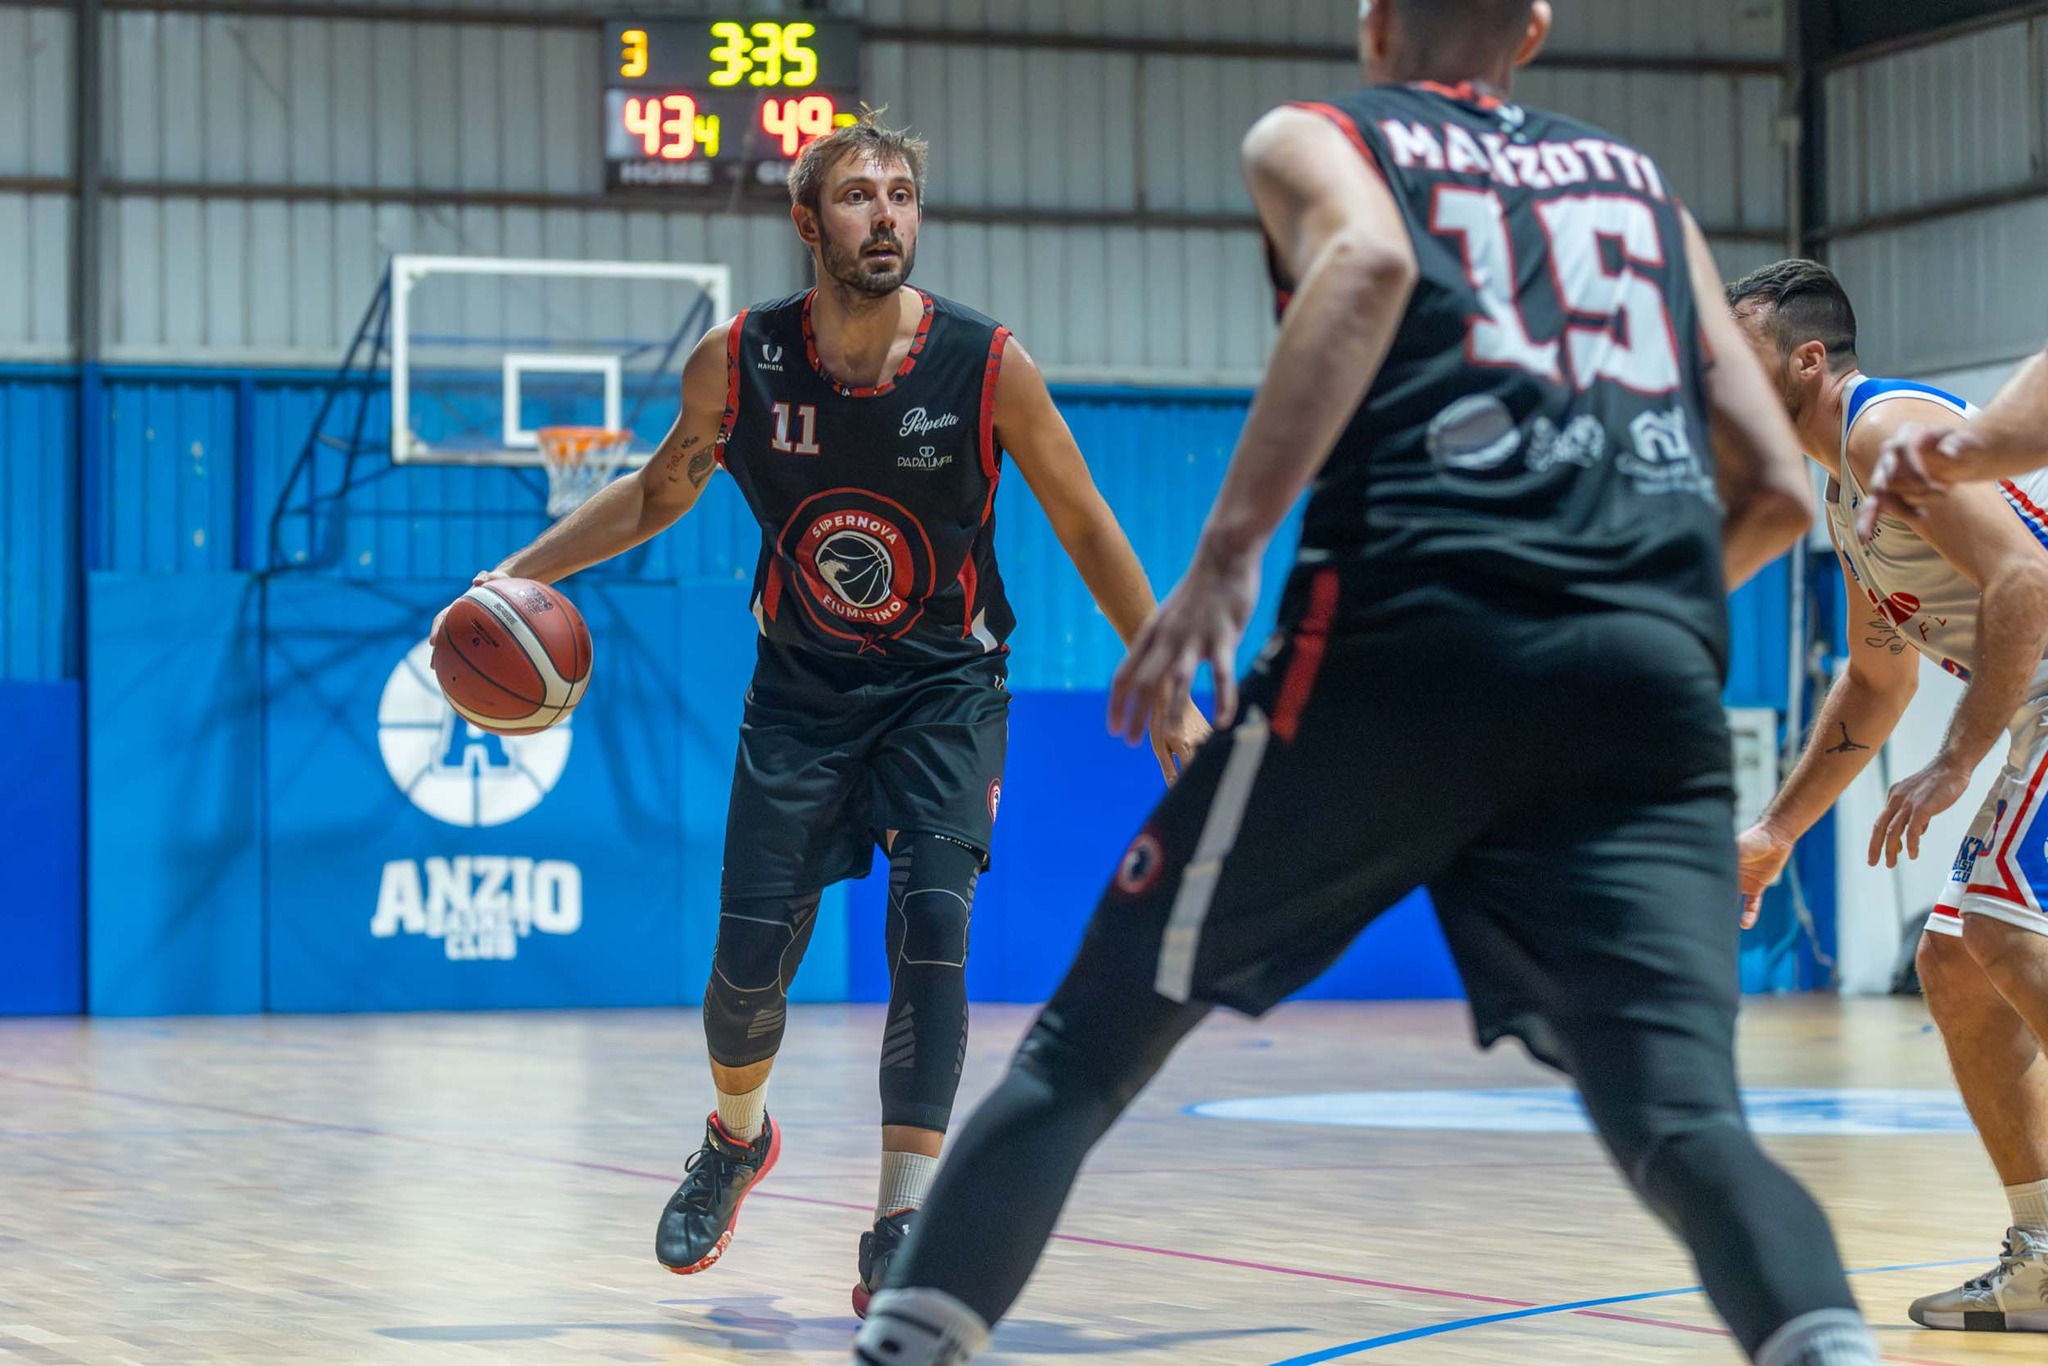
(485, 351)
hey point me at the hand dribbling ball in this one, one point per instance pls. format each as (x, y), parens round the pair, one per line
(513, 656)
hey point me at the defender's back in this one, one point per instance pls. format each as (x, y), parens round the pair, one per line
(1538, 431)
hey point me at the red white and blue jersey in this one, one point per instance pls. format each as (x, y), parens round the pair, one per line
(1932, 605)
(876, 505)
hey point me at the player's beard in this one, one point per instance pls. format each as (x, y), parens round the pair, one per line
(1790, 394)
(852, 269)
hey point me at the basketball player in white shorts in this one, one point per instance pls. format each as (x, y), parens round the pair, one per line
(1965, 584)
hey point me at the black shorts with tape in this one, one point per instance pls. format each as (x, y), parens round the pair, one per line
(835, 753)
(1560, 783)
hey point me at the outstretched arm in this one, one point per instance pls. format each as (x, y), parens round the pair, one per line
(1922, 460)
(1339, 233)
(1030, 428)
(1764, 488)
(1860, 714)
(628, 511)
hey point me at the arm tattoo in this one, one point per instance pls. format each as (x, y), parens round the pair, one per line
(1848, 745)
(701, 466)
(674, 466)
(1885, 636)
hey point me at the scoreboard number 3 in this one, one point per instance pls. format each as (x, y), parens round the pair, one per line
(633, 56)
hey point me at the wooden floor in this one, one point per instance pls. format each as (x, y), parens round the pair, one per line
(484, 1188)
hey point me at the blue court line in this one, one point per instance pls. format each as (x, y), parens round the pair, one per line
(1538, 1311)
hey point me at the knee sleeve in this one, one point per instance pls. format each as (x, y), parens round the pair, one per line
(761, 941)
(931, 900)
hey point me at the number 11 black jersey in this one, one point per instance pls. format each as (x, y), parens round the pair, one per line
(1537, 435)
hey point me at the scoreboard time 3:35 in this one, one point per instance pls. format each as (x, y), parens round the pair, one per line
(709, 101)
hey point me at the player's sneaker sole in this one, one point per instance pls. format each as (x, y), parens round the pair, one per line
(1981, 1320)
(710, 1258)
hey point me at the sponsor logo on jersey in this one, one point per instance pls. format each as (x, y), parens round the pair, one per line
(917, 422)
(1898, 609)
(771, 357)
(1663, 459)
(1474, 434)
(927, 458)
(864, 563)
(995, 797)
(1141, 865)
(1583, 442)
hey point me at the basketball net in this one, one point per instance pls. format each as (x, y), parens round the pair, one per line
(580, 461)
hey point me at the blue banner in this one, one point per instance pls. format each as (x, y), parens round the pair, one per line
(416, 862)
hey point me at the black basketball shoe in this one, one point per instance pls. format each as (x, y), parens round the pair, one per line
(697, 1224)
(877, 1250)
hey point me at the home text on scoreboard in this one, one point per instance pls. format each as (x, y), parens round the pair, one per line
(713, 100)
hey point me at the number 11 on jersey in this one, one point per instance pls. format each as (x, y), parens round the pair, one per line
(805, 414)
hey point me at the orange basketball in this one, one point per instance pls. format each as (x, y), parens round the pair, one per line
(513, 656)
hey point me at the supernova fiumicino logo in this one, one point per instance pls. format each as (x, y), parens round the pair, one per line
(448, 768)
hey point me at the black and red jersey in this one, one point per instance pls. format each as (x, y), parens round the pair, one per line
(876, 505)
(1538, 432)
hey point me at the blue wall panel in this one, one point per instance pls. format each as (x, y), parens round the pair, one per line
(174, 773)
(168, 486)
(42, 917)
(38, 527)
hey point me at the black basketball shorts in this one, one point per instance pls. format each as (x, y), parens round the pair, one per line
(1561, 785)
(834, 755)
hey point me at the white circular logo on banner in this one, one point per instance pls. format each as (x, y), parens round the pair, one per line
(450, 769)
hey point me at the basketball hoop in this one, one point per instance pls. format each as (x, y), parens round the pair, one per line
(580, 461)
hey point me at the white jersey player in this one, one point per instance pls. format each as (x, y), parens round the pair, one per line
(1966, 585)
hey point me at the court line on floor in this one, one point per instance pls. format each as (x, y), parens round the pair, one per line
(1590, 1309)
(1518, 1309)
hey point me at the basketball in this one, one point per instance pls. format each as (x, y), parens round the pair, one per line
(513, 656)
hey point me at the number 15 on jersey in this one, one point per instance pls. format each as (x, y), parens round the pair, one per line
(1619, 330)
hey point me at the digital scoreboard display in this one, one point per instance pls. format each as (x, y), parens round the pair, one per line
(711, 101)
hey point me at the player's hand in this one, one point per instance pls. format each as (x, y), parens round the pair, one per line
(1761, 854)
(1912, 804)
(482, 576)
(1176, 735)
(1918, 464)
(1202, 619)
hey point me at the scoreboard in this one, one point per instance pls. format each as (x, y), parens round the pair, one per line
(710, 101)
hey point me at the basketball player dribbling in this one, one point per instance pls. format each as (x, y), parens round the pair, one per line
(866, 423)
(1540, 453)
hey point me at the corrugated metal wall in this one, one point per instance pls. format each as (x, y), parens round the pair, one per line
(38, 529)
(35, 144)
(1937, 197)
(262, 167)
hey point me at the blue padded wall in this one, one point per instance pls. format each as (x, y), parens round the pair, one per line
(42, 925)
(174, 715)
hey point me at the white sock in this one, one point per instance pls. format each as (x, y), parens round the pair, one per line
(906, 1180)
(1826, 1337)
(2029, 1207)
(919, 1327)
(741, 1115)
